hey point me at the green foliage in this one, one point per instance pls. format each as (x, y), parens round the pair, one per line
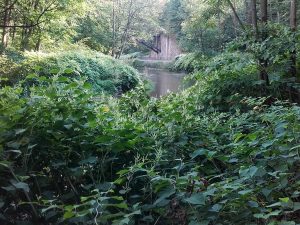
(102, 72)
(276, 49)
(69, 156)
(139, 63)
(94, 29)
(173, 16)
(33, 23)
(189, 62)
(224, 151)
(57, 141)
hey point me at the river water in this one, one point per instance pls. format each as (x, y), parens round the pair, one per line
(164, 81)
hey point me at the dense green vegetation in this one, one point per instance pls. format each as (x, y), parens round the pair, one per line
(82, 142)
(104, 73)
(70, 156)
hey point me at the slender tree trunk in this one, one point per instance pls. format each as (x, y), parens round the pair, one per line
(126, 30)
(221, 30)
(293, 24)
(114, 29)
(236, 15)
(13, 34)
(5, 30)
(234, 21)
(39, 39)
(278, 12)
(264, 19)
(248, 14)
(29, 31)
(293, 15)
(254, 19)
(26, 38)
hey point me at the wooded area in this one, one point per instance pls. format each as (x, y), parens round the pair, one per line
(83, 142)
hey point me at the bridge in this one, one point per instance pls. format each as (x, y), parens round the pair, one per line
(162, 47)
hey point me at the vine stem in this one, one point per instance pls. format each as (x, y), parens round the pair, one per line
(157, 220)
(36, 215)
(97, 213)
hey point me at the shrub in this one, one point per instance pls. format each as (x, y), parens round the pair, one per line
(104, 73)
(190, 62)
(67, 158)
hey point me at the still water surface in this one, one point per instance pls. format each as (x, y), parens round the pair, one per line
(164, 81)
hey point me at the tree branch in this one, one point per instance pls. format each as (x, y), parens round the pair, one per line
(236, 15)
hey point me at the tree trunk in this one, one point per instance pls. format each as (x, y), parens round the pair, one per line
(254, 18)
(39, 39)
(278, 12)
(264, 19)
(124, 37)
(293, 24)
(114, 29)
(248, 13)
(234, 20)
(5, 30)
(237, 18)
(13, 34)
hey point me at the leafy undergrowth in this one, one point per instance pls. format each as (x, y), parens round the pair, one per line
(206, 156)
(103, 72)
(69, 157)
(189, 62)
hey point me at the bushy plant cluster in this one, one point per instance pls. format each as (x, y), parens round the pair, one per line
(208, 155)
(190, 62)
(103, 72)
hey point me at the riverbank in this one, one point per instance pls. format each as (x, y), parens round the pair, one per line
(158, 64)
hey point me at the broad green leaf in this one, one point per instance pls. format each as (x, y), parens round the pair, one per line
(276, 204)
(163, 196)
(216, 208)
(87, 86)
(68, 127)
(20, 131)
(31, 76)
(280, 129)
(68, 215)
(252, 136)
(124, 221)
(196, 199)
(253, 171)
(68, 71)
(62, 79)
(238, 137)
(198, 152)
(284, 200)
(121, 205)
(9, 188)
(245, 192)
(267, 216)
(203, 222)
(54, 71)
(253, 204)
(296, 206)
(21, 185)
(286, 223)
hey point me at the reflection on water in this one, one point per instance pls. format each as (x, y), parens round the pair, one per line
(164, 81)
